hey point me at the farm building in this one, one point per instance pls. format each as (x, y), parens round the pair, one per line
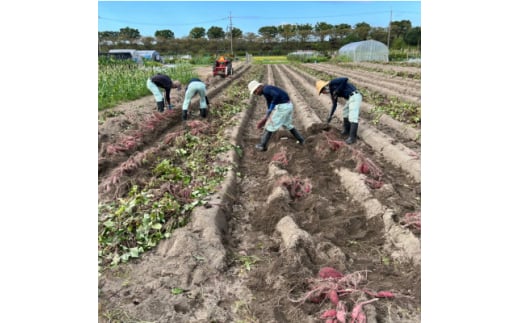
(151, 55)
(367, 50)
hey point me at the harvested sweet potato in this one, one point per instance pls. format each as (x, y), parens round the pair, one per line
(329, 272)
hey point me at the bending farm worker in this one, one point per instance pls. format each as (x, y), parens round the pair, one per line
(195, 86)
(341, 87)
(279, 112)
(165, 82)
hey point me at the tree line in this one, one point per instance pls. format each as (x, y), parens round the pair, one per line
(270, 40)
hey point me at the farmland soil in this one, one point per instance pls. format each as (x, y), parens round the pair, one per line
(255, 250)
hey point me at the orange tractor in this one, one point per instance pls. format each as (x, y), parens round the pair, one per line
(222, 67)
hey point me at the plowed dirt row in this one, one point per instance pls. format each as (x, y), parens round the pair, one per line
(396, 152)
(253, 252)
(413, 71)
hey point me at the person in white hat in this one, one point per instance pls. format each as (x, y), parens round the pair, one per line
(341, 87)
(279, 112)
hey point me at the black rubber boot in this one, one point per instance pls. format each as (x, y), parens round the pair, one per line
(353, 133)
(265, 139)
(160, 106)
(184, 115)
(297, 135)
(346, 127)
(204, 113)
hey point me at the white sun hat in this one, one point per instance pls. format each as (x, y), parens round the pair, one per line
(253, 85)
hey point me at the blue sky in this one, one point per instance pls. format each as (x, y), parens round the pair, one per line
(248, 16)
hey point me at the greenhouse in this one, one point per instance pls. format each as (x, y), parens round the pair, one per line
(363, 51)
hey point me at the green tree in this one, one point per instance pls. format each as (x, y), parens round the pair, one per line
(286, 31)
(237, 33)
(323, 30)
(268, 33)
(128, 33)
(304, 31)
(379, 34)
(362, 29)
(197, 33)
(351, 38)
(341, 31)
(215, 32)
(164, 34)
(250, 37)
(400, 28)
(413, 36)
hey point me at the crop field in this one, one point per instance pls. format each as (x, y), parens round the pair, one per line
(269, 59)
(196, 225)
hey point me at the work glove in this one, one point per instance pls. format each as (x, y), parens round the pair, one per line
(335, 95)
(260, 124)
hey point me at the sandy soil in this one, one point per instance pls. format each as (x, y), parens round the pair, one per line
(255, 250)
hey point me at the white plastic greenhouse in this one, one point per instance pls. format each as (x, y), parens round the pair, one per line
(367, 50)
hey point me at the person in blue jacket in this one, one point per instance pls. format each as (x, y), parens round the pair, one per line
(341, 87)
(158, 81)
(279, 112)
(195, 86)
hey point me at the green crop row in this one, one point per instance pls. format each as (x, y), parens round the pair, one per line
(138, 221)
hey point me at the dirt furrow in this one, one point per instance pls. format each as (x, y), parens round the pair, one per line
(250, 252)
(386, 68)
(298, 233)
(395, 152)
